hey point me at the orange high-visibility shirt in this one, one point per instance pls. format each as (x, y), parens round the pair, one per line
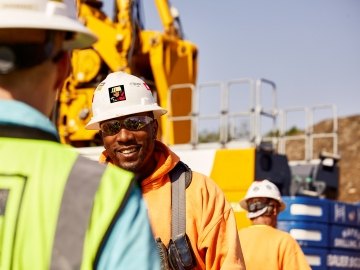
(210, 221)
(265, 247)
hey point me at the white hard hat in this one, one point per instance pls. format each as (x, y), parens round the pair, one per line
(132, 96)
(262, 189)
(49, 15)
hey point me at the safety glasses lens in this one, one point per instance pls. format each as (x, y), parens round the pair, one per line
(135, 123)
(111, 128)
(132, 123)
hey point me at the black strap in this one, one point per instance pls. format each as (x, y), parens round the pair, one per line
(181, 177)
(25, 132)
(75, 212)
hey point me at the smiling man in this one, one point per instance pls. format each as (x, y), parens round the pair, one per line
(129, 127)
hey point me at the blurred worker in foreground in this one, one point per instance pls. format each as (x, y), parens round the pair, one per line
(264, 246)
(48, 193)
(128, 127)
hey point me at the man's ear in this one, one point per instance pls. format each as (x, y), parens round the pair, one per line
(275, 210)
(63, 68)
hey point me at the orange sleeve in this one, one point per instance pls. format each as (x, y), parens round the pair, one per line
(218, 240)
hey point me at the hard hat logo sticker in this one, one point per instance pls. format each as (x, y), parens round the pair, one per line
(117, 93)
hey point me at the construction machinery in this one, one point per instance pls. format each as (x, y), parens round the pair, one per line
(161, 59)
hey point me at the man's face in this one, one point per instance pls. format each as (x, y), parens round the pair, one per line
(131, 149)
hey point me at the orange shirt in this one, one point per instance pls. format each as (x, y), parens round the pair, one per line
(210, 221)
(265, 247)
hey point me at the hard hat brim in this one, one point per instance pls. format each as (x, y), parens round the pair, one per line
(83, 38)
(244, 205)
(94, 123)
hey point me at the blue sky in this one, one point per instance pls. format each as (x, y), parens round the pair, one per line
(309, 48)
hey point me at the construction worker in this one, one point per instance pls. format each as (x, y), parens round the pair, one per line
(129, 128)
(264, 246)
(58, 210)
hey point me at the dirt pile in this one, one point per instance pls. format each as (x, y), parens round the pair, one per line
(349, 149)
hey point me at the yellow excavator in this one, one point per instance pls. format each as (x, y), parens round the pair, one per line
(161, 59)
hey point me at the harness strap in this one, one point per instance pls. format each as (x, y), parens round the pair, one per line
(180, 179)
(74, 214)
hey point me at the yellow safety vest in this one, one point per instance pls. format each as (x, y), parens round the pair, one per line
(48, 194)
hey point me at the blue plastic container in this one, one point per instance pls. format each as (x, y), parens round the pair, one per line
(343, 260)
(316, 257)
(308, 234)
(344, 237)
(305, 209)
(344, 213)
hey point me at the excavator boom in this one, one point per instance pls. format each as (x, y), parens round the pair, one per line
(162, 59)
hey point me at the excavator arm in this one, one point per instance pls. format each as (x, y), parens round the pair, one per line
(162, 59)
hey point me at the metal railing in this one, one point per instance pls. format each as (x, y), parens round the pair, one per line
(309, 135)
(228, 127)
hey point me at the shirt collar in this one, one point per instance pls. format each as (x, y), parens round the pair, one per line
(17, 113)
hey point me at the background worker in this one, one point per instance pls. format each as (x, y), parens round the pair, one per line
(264, 246)
(129, 128)
(48, 193)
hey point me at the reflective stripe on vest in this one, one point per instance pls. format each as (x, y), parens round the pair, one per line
(74, 214)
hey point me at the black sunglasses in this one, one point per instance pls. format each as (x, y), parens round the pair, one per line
(132, 123)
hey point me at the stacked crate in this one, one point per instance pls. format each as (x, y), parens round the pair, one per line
(327, 231)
